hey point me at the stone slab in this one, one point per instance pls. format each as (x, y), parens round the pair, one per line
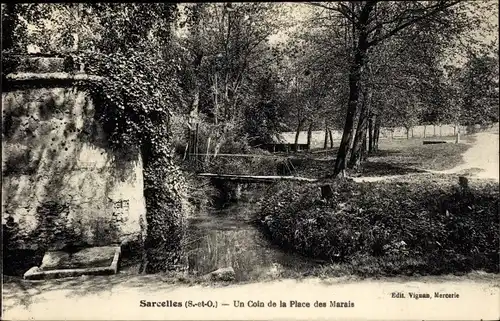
(84, 258)
(100, 260)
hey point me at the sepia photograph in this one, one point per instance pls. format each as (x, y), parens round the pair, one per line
(250, 160)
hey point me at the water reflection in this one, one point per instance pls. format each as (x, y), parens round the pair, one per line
(228, 238)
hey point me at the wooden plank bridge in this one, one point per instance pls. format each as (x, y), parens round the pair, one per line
(274, 155)
(255, 178)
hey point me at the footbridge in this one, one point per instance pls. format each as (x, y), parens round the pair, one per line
(256, 178)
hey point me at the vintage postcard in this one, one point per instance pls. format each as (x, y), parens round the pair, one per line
(250, 161)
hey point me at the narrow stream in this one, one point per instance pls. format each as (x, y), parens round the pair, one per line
(220, 238)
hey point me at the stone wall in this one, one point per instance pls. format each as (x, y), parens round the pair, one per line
(61, 183)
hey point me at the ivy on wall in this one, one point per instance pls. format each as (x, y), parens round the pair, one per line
(134, 103)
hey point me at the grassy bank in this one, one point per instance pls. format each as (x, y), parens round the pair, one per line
(420, 225)
(413, 153)
(395, 157)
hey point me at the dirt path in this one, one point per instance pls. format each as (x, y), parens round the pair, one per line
(481, 160)
(112, 298)
(483, 155)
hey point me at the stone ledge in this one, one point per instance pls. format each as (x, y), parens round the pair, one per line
(36, 273)
(24, 80)
(30, 76)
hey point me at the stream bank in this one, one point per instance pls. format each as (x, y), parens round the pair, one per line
(229, 236)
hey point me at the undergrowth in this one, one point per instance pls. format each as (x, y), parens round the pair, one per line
(413, 226)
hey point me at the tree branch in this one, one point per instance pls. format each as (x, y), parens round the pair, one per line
(435, 9)
(340, 8)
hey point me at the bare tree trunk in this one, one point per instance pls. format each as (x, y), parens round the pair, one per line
(364, 150)
(370, 134)
(309, 135)
(299, 127)
(196, 142)
(325, 144)
(376, 134)
(331, 137)
(216, 100)
(425, 129)
(190, 143)
(347, 135)
(196, 101)
(357, 67)
(186, 152)
(357, 148)
(407, 132)
(217, 148)
(220, 140)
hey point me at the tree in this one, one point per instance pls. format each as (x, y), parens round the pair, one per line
(263, 116)
(228, 58)
(16, 18)
(373, 23)
(479, 90)
(317, 69)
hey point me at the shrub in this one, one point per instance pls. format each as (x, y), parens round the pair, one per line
(406, 226)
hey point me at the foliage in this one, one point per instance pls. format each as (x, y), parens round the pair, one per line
(131, 46)
(318, 63)
(16, 17)
(479, 90)
(429, 227)
(371, 25)
(263, 116)
(227, 58)
(135, 102)
(136, 98)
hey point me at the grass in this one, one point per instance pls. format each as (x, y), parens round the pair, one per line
(418, 225)
(413, 153)
(395, 157)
